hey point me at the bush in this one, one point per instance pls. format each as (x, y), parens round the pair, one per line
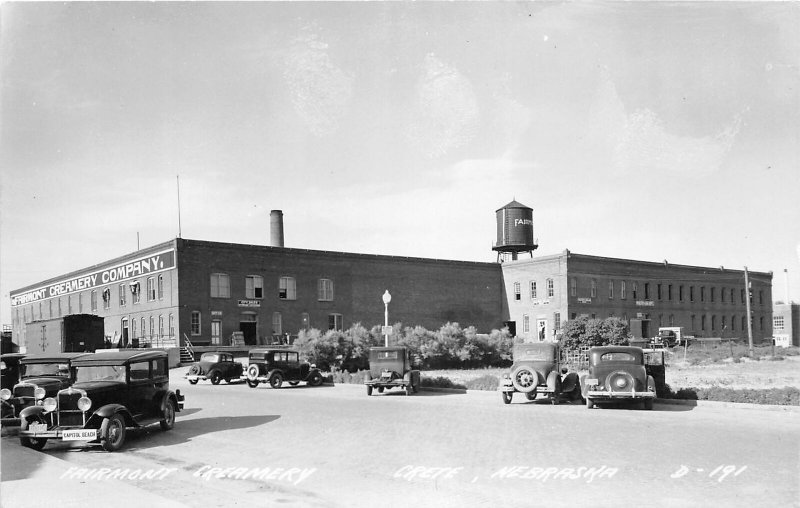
(787, 396)
(440, 382)
(487, 382)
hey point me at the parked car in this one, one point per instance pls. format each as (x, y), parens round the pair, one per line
(656, 366)
(9, 376)
(665, 338)
(391, 367)
(618, 373)
(279, 364)
(113, 391)
(215, 367)
(40, 376)
(537, 369)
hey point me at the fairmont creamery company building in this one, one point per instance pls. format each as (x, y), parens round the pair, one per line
(212, 293)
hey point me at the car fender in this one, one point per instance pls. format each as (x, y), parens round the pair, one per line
(31, 411)
(313, 371)
(570, 382)
(169, 395)
(110, 410)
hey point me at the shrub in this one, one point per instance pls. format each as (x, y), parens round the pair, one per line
(787, 396)
(486, 382)
(440, 382)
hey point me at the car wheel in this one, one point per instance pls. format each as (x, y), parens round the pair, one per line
(112, 433)
(531, 395)
(369, 390)
(294, 383)
(193, 381)
(194, 370)
(589, 403)
(524, 379)
(380, 389)
(252, 384)
(315, 379)
(169, 415)
(276, 381)
(37, 443)
(507, 397)
(215, 378)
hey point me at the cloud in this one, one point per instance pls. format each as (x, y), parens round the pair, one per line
(641, 143)
(320, 91)
(445, 113)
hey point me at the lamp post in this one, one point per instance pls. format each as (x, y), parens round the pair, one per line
(386, 299)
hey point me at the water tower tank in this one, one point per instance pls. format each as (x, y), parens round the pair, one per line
(514, 230)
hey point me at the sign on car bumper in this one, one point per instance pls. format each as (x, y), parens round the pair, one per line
(40, 430)
(602, 394)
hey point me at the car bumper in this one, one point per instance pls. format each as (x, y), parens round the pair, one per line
(601, 394)
(386, 382)
(509, 388)
(64, 433)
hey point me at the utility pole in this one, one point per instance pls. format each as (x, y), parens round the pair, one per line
(749, 318)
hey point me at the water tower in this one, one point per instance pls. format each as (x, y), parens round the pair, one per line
(514, 231)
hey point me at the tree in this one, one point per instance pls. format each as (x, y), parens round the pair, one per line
(585, 332)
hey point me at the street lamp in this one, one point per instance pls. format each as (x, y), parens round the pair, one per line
(386, 299)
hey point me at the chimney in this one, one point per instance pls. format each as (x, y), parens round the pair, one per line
(276, 228)
(786, 276)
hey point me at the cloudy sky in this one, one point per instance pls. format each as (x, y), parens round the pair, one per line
(641, 130)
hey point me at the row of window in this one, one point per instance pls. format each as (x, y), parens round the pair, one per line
(720, 323)
(254, 287)
(156, 331)
(335, 322)
(668, 292)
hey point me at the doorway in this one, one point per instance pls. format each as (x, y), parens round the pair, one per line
(541, 328)
(249, 330)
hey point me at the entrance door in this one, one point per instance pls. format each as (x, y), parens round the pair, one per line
(124, 340)
(541, 328)
(646, 328)
(248, 329)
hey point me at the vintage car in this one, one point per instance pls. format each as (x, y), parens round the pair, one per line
(656, 366)
(391, 367)
(618, 373)
(9, 375)
(215, 367)
(40, 376)
(279, 364)
(537, 369)
(112, 391)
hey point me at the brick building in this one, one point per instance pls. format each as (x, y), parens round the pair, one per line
(546, 291)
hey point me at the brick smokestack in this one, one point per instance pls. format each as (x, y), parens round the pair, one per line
(276, 228)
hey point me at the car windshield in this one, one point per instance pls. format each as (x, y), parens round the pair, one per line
(100, 373)
(45, 369)
(209, 357)
(618, 357)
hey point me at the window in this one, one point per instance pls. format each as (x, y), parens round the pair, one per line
(171, 325)
(195, 322)
(777, 323)
(80, 305)
(216, 327)
(93, 300)
(550, 288)
(733, 322)
(277, 323)
(713, 322)
(594, 289)
(703, 322)
(254, 286)
(220, 285)
(761, 323)
(287, 288)
(305, 321)
(722, 323)
(658, 291)
(702, 293)
(144, 328)
(122, 295)
(661, 320)
(136, 292)
(106, 300)
(133, 329)
(160, 326)
(557, 321)
(713, 295)
(722, 295)
(69, 306)
(646, 290)
(680, 293)
(335, 322)
(694, 322)
(634, 289)
(742, 296)
(140, 370)
(761, 297)
(526, 323)
(160, 367)
(573, 287)
(533, 290)
(152, 327)
(325, 290)
(623, 290)
(160, 287)
(691, 293)
(151, 289)
(611, 290)
(517, 291)
(672, 320)
(669, 292)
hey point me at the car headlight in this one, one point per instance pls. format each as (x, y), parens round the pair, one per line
(5, 394)
(84, 403)
(49, 404)
(39, 393)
